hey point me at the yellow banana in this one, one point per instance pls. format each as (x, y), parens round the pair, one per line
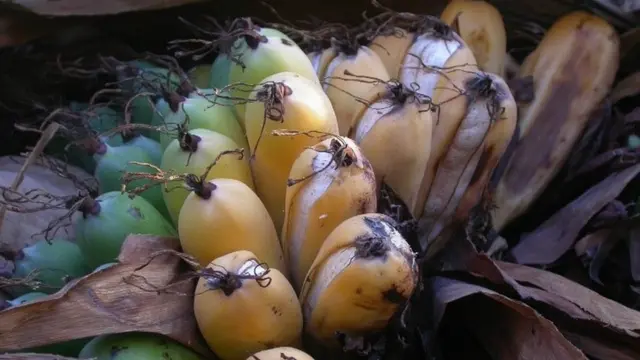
(439, 64)
(348, 82)
(481, 26)
(280, 353)
(241, 307)
(330, 182)
(573, 69)
(287, 101)
(364, 272)
(463, 172)
(395, 135)
(391, 48)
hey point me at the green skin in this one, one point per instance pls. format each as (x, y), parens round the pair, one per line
(136, 346)
(199, 75)
(203, 114)
(222, 64)
(56, 263)
(115, 161)
(268, 58)
(102, 231)
(150, 146)
(157, 116)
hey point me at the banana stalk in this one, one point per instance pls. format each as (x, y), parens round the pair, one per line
(242, 307)
(481, 26)
(464, 171)
(395, 133)
(363, 273)
(573, 69)
(348, 83)
(329, 183)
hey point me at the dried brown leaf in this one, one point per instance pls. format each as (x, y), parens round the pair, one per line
(591, 240)
(86, 8)
(105, 303)
(627, 87)
(557, 235)
(508, 329)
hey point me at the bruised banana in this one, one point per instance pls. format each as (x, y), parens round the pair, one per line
(348, 83)
(363, 273)
(329, 183)
(463, 173)
(394, 133)
(573, 69)
(439, 65)
(481, 26)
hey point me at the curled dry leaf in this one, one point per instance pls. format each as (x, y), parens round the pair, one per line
(112, 301)
(507, 328)
(573, 307)
(557, 235)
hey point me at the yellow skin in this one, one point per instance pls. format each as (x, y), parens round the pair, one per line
(280, 353)
(481, 26)
(353, 294)
(252, 317)
(315, 206)
(396, 138)
(392, 49)
(183, 162)
(306, 108)
(347, 92)
(232, 219)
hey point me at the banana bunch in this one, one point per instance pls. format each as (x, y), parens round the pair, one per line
(573, 69)
(362, 274)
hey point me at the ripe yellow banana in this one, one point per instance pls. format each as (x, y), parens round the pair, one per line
(291, 102)
(280, 353)
(395, 135)
(481, 26)
(348, 83)
(573, 69)
(363, 273)
(330, 183)
(463, 172)
(392, 48)
(241, 307)
(439, 64)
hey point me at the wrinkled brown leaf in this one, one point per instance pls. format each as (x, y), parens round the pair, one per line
(588, 314)
(84, 8)
(591, 240)
(27, 356)
(509, 329)
(104, 303)
(627, 87)
(557, 235)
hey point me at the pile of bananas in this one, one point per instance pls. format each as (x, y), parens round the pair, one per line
(287, 235)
